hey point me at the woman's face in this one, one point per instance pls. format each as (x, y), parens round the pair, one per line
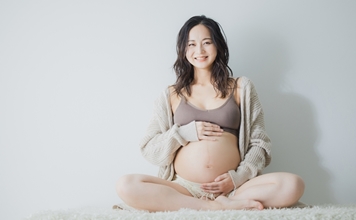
(201, 52)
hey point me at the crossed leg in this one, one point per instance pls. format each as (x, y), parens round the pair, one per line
(155, 194)
(272, 190)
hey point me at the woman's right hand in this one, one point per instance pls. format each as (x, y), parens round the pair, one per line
(208, 131)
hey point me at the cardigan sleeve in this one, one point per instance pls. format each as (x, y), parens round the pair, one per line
(162, 138)
(257, 149)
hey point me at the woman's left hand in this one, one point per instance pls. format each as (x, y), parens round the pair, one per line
(222, 185)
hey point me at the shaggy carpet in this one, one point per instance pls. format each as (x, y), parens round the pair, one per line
(332, 212)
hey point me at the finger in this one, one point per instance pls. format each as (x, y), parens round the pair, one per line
(208, 184)
(211, 133)
(207, 124)
(207, 130)
(213, 191)
(207, 138)
(210, 187)
(206, 187)
(221, 178)
(204, 134)
(212, 127)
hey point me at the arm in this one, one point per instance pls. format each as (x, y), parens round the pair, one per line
(255, 145)
(163, 138)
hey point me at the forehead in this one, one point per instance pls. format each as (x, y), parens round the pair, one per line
(199, 32)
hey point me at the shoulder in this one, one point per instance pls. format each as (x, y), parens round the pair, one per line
(245, 88)
(166, 93)
(246, 85)
(163, 97)
(174, 98)
(243, 82)
(171, 92)
(170, 89)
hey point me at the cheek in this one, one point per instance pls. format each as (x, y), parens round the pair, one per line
(188, 54)
(214, 53)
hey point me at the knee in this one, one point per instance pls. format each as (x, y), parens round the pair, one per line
(293, 186)
(297, 185)
(126, 184)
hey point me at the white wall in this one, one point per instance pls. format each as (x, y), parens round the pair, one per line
(78, 80)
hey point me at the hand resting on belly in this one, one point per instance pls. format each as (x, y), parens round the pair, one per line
(215, 154)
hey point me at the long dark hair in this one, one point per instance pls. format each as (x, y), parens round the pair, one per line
(221, 72)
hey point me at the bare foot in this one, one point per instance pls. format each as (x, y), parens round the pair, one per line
(229, 204)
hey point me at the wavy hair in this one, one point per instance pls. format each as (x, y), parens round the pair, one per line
(221, 72)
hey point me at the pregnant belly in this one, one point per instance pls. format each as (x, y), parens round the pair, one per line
(203, 161)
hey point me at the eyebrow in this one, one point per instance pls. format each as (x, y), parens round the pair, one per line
(207, 38)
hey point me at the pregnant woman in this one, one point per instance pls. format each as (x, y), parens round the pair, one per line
(207, 136)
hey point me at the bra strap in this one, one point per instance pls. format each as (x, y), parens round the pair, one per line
(233, 90)
(236, 82)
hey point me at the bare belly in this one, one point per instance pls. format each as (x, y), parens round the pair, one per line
(203, 161)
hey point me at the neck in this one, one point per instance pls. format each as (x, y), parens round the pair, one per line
(202, 77)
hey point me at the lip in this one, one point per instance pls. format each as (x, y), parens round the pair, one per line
(201, 58)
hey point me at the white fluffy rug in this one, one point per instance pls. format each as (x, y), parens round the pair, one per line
(332, 212)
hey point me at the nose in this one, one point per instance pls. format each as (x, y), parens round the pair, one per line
(200, 49)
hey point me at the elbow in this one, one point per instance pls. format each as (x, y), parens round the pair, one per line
(157, 159)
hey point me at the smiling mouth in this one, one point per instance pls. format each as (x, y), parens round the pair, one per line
(201, 58)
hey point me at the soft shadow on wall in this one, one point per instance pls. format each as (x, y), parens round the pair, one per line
(289, 117)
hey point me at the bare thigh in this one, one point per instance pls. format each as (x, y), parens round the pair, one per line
(272, 189)
(141, 178)
(269, 178)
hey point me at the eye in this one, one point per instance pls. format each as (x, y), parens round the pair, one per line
(191, 45)
(207, 42)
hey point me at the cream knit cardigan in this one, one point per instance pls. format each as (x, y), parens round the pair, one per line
(163, 138)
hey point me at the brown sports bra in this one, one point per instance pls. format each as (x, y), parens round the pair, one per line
(227, 116)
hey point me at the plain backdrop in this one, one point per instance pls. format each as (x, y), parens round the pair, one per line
(78, 80)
